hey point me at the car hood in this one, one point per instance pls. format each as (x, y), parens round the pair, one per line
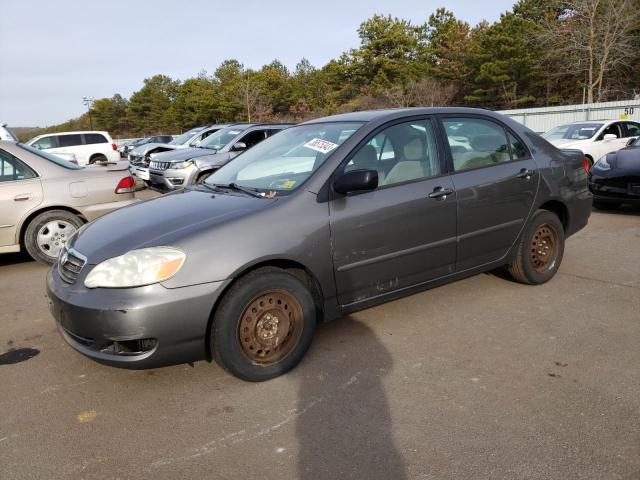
(170, 220)
(147, 147)
(627, 159)
(181, 154)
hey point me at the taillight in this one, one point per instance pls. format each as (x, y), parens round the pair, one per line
(114, 146)
(586, 164)
(126, 185)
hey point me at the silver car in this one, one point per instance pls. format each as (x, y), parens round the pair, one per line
(44, 199)
(187, 166)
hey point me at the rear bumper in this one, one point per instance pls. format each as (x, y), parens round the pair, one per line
(169, 325)
(579, 212)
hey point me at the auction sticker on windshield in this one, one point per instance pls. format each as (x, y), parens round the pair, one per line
(319, 145)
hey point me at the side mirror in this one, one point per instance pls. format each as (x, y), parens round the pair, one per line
(608, 137)
(630, 141)
(239, 146)
(356, 181)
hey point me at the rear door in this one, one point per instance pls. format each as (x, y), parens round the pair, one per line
(496, 181)
(20, 192)
(397, 235)
(71, 143)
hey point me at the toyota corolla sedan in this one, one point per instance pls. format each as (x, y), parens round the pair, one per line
(325, 218)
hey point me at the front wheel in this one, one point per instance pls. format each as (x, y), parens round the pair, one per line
(264, 325)
(540, 250)
(48, 232)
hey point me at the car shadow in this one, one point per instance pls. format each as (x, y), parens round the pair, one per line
(625, 209)
(15, 258)
(344, 424)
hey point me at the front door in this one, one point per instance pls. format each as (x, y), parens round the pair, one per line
(496, 181)
(402, 233)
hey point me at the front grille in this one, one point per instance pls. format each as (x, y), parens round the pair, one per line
(70, 264)
(154, 165)
(138, 160)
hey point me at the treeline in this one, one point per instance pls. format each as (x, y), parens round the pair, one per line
(540, 53)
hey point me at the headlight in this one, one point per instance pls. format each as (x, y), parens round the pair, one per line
(137, 268)
(180, 165)
(602, 164)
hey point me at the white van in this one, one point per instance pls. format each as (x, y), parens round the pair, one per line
(88, 147)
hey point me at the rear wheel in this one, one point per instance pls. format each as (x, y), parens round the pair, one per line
(98, 159)
(606, 205)
(48, 232)
(540, 250)
(264, 325)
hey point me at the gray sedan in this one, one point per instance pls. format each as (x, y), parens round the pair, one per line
(325, 218)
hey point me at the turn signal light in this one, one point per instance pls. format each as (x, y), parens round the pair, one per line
(126, 185)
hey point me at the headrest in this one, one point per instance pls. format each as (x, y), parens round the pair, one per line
(488, 142)
(413, 149)
(365, 157)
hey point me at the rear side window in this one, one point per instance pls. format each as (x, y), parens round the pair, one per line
(633, 129)
(91, 138)
(46, 142)
(476, 143)
(72, 140)
(12, 169)
(518, 150)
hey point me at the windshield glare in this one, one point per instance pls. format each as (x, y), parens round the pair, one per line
(50, 157)
(281, 163)
(219, 139)
(184, 138)
(581, 131)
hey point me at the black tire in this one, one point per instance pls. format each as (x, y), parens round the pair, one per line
(606, 205)
(540, 250)
(37, 223)
(98, 159)
(232, 352)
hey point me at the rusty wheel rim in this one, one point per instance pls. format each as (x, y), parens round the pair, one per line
(544, 248)
(270, 327)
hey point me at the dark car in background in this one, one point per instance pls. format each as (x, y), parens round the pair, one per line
(615, 178)
(325, 218)
(127, 147)
(180, 168)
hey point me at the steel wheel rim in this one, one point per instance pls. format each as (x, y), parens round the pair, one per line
(53, 235)
(270, 327)
(544, 248)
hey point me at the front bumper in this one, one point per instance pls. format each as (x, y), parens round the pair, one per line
(622, 189)
(172, 179)
(167, 326)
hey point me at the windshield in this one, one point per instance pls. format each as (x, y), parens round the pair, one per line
(50, 157)
(184, 138)
(281, 163)
(573, 131)
(219, 139)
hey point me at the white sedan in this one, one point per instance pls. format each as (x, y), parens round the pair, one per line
(594, 138)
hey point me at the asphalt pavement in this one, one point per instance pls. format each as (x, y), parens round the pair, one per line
(479, 379)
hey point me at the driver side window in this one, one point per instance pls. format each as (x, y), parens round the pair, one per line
(400, 153)
(613, 129)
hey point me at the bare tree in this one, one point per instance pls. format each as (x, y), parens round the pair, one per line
(426, 92)
(592, 37)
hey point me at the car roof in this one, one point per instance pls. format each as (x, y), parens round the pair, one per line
(75, 132)
(392, 113)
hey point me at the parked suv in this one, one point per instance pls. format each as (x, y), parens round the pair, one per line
(179, 168)
(139, 156)
(88, 147)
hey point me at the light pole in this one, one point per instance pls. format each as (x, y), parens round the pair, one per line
(88, 102)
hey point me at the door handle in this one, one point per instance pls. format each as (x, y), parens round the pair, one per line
(525, 173)
(440, 193)
(21, 198)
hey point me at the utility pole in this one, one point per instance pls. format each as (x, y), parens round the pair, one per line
(88, 102)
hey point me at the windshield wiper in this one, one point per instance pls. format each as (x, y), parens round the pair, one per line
(239, 188)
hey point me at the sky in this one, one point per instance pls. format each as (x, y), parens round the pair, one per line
(56, 52)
